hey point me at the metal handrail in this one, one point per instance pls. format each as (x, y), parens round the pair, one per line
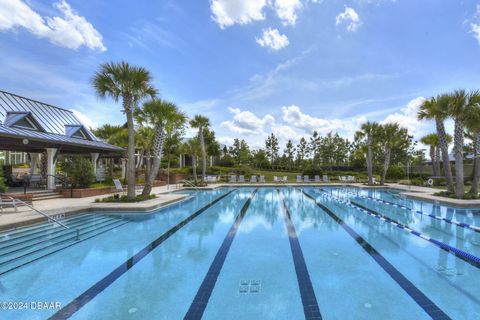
(45, 215)
(190, 184)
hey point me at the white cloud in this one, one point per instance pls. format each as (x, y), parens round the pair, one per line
(293, 116)
(229, 12)
(272, 39)
(349, 17)
(287, 10)
(246, 122)
(84, 119)
(475, 27)
(70, 31)
(408, 118)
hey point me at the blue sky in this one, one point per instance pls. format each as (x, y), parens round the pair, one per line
(252, 66)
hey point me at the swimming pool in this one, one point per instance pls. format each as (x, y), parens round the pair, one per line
(253, 253)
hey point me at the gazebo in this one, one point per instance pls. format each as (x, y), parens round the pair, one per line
(36, 128)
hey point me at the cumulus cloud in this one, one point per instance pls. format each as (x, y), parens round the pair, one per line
(350, 18)
(229, 12)
(407, 117)
(287, 10)
(271, 38)
(475, 26)
(69, 30)
(247, 123)
(84, 119)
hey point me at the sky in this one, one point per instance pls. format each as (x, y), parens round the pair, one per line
(252, 66)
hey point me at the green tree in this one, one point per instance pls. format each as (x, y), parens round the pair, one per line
(431, 140)
(437, 109)
(289, 154)
(79, 171)
(131, 84)
(3, 187)
(392, 137)
(112, 134)
(260, 158)
(162, 116)
(272, 148)
(192, 148)
(473, 126)
(302, 152)
(369, 132)
(201, 123)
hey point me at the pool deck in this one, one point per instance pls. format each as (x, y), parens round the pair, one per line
(63, 207)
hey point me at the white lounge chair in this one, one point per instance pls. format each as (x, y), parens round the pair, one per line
(253, 179)
(9, 203)
(317, 178)
(276, 179)
(118, 186)
(285, 179)
(299, 179)
(325, 178)
(306, 179)
(241, 179)
(233, 179)
(262, 179)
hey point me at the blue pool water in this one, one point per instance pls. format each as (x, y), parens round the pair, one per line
(252, 253)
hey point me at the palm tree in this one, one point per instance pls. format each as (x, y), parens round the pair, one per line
(431, 140)
(112, 134)
(160, 115)
(130, 84)
(390, 136)
(437, 109)
(192, 148)
(370, 131)
(201, 123)
(473, 125)
(144, 142)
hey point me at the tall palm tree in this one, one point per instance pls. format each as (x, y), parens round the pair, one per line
(390, 136)
(437, 109)
(201, 123)
(431, 140)
(192, 148)
(160, 115)
(473, 125)
(130, 84)
(369, 130)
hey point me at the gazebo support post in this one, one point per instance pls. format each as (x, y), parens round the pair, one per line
(51, 161)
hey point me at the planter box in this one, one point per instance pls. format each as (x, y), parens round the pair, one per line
(92, 192)
(174, 177)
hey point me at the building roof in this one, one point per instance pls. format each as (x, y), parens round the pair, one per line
(43, 124)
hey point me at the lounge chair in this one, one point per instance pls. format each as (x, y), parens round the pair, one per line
(317, 178)
(299, 179)
(262, 179)
(276, 179)
(8, 203)
(118, 186)
(374, 180)
(241, 179)
(325, 178)
(253, 179)
(233, 179)
(285, 179)
(306, 179)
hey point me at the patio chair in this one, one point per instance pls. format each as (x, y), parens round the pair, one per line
(275, 179)
(285, 179)
(241, 179)
(306, 179)
(325, 178)
(118, 186)
(262, 179)
(253, 179)
(299, 179)
(233, 179)
(35, 180)
(317, 178)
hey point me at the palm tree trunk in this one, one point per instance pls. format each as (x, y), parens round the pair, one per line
(157, 157)
(386, 164)
(369, 161)
(437, 161)
(128, 107)
(432, 158)
(204, 155)
(442, 139)
(194, 168)
(458, 150)
(476, 177)
(148, 163)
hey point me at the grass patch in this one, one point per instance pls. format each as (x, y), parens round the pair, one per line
(124, 199)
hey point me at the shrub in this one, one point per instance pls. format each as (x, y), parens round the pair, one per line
(395, 173)
(3, 186)
(226, 161)
(138, 198)
(79, 171)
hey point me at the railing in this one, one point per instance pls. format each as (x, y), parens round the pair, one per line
(77, 231)
(190, 184)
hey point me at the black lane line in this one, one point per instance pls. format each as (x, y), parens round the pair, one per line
(67, 311)
(199, 303)
(463, 255)
(309, 300)
(416, 294)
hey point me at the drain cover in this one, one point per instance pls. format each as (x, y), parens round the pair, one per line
(250, 286)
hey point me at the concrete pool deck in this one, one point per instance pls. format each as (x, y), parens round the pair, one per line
(64, 207)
